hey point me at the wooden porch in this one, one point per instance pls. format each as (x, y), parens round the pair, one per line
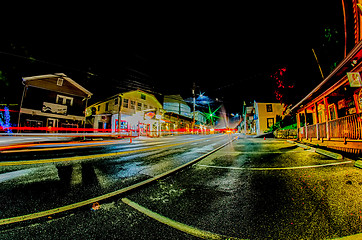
(344, 134)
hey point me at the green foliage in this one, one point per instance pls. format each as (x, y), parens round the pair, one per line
(289, 122)
(3, 79)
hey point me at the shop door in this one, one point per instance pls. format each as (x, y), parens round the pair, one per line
(52, 123)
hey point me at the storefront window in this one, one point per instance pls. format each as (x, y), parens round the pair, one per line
(350, 106)
(321, 113)
(332, 111)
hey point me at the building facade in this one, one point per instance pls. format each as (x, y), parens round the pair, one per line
(176, 104)
(53, 101)
(331, 114)
(266, 115)
(141, 113)
(200, 118)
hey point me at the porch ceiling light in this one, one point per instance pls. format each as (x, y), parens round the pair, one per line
(354, 62)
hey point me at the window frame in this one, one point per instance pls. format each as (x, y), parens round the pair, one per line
(139, 106)
(334, 107)
(125, 103)
(269, 108)
(267, 122)
(64, 100)
(132, 104)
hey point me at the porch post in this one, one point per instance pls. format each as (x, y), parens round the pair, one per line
(327, 117)
(298, 125)
(305, 125)
(317, 120)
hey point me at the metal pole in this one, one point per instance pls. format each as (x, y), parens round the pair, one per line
(194, 103)
(320, 69)
(21, 105)
(119, 113)
(85, 117)
(245, 117)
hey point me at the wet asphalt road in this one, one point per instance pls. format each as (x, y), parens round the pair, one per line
(247, 190)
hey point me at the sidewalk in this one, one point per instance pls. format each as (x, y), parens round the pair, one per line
(317, 150)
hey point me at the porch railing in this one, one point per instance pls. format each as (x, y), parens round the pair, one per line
(346, 127)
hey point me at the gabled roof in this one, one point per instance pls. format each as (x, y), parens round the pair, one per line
(174, 98)
(49, 82)
(126, 93)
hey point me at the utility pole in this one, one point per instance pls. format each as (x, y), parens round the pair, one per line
(244, 107)
(194, 103)
(85, 115)
(21, 105)
(119, 114)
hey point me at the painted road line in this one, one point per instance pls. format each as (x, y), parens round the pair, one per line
(13, 147)
(276, 168)
(103, 155)
(174, 224)
(56, 148)
(30, 216)
(265, 152)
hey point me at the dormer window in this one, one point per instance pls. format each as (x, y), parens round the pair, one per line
(60, 82)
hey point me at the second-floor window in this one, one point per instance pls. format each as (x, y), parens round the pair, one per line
(139, 106)
(107, 106)
(269, 108)
(133, 103)
(64, 100)
(125, 103)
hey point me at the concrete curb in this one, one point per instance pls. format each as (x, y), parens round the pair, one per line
(320, 151)
(358, 164)
(351, 237)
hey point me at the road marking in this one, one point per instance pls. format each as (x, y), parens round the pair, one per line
(30, 216)
(103, 155)
(271, 152)
(276, 168)
(22, 145)
(58, 148)
(177, 225)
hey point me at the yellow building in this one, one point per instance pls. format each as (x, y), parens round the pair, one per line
(140, 111)
(266, 115)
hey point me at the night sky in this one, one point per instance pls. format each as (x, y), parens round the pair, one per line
(229, 51)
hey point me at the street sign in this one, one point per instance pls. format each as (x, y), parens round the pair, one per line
(354, 79)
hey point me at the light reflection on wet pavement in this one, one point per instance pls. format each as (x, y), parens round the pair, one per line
(310, 203)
